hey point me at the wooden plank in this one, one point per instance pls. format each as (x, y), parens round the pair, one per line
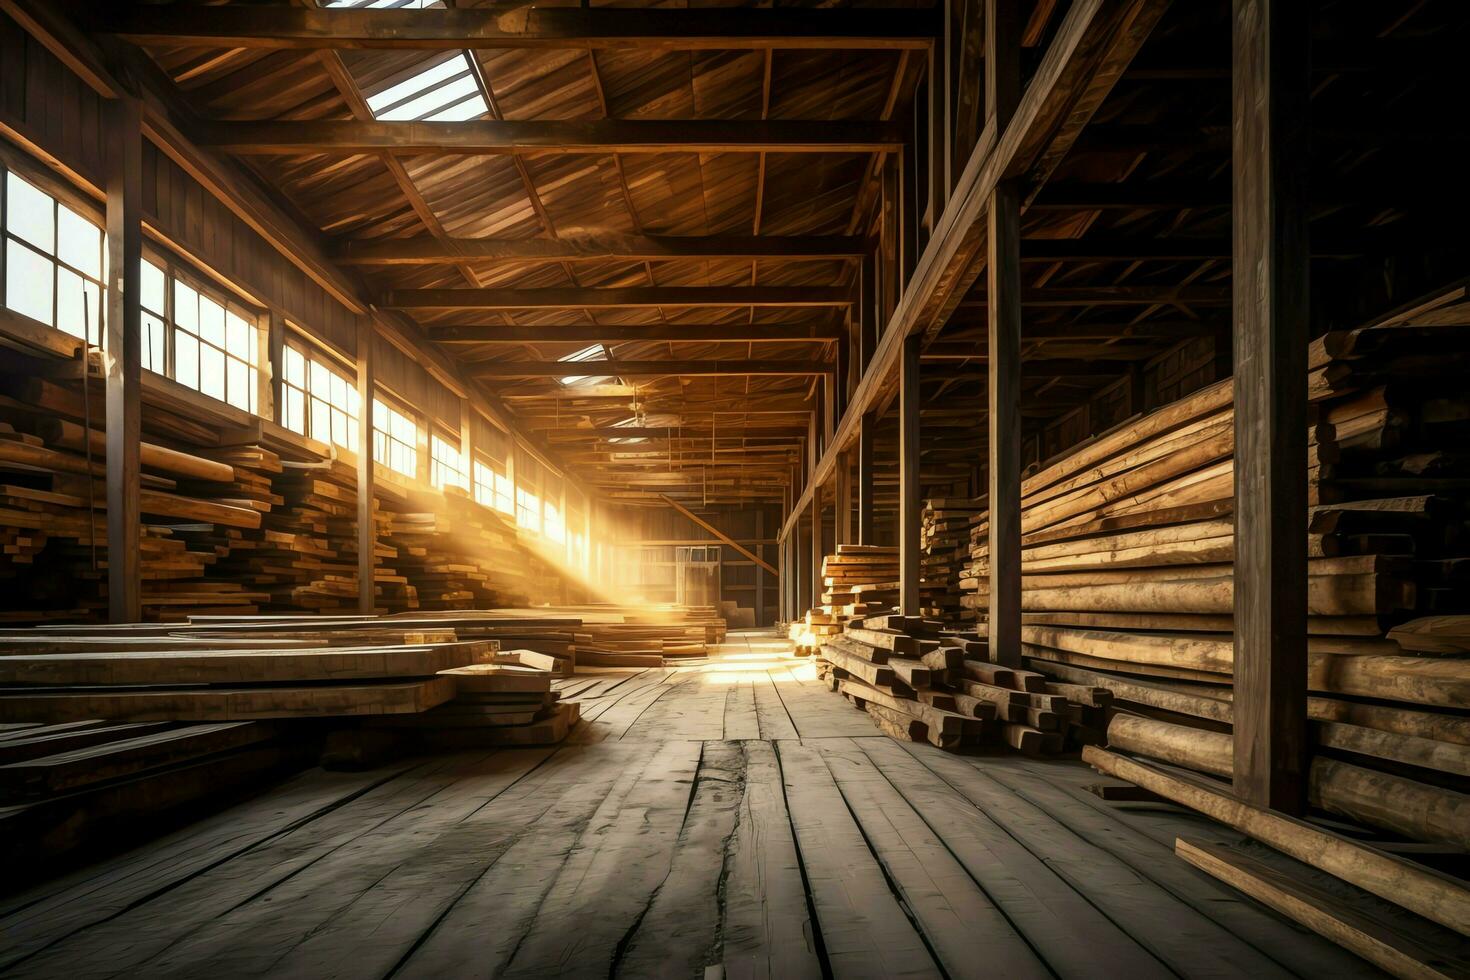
(623, 297)
(515, 137)
(1377, 942)
(595, 29)
(576, 333)
(721, 535)
(366, 530)
(910, 507)
(866, 486)
(1270, 91)
(429, 250)
(1415, 887)
(124, 368)
(864, 930)
(652, 369)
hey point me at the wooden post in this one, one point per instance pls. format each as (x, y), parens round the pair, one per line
(467, 444)
(758, 607)
(866, 509)
(275, 352)
(843, 532)
(1270, 91)
(1003, 369)
(123, 356)
(908, 478)
(867, 312)
(366, 531)
(817, 550)
(939, 119)
(803, 571)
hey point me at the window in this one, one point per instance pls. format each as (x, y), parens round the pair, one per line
(54, 261)
(317, 400)
(395, 439)
(528, 510)
(446, 464)
(597, 352)
(216, 348)
(446, 91)
(629, 422)
(555, 530)
(492, 488)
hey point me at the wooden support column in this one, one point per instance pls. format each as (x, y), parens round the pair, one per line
(867, 312)
(908, 477)
(123, 359)
(843, 532)
(758, 607)
(1271, 87)
(803, 571)
(275, 352)
(367, 540)
(1003, 368)
(817, 549)
(866, 511)
(939, 119)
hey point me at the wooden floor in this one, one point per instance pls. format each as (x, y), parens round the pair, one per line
(726, 814)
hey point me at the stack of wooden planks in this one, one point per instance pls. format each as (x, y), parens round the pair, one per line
(923, 682)
(1128, 577)
(859, 579)
(944, 550)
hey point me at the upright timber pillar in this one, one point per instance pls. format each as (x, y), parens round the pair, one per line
(843, 525)
(1003, 306)
(908, 478)
(123, 357)
(866, 511)
(367, 539)
(817, 550)
(1270, 89)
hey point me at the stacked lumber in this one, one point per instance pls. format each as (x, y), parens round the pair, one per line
(944, 550)
(922, 681)
(1128, 580)
(859, 579)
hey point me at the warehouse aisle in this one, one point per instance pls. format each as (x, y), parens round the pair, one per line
(726, 814)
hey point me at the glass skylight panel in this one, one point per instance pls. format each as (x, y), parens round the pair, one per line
(443, 92)
(597, 352)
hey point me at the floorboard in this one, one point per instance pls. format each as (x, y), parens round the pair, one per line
(726, 816)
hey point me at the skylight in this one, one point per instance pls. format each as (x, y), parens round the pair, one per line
(444, 92)
(597, 352)
(627, 440)
(380, 4)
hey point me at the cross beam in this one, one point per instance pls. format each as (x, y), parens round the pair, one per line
(429, 250)
(646, 369)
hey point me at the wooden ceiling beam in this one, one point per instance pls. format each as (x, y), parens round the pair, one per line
(764, 333)
(432, 251)
(646, 369)
(525, 27)
(630, 297)
(1149, 295)
(698, 431)
(515, 137)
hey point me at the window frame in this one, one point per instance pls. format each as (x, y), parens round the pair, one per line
(83, 210)
(297, 341)
(380, 397)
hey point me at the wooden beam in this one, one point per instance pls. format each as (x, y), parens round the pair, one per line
(910, 502)
(583, 334)
(1003, 26)
(645, 369)
(724, 538)
(1270, 92)
(866, 510)
(1087, 53)
(817, 551)
(700, 431)
(588, 248)
(123, 355)
(1056, 297)
(625, 298)
(1113, 249)
(597, 28)
(367, 541)
(843, 503)
(495, 137)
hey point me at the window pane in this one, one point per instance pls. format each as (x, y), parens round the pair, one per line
(30, 214)
(211, 371)
(294, 366)
(321, 380)
(237, 388)
(211, 321)
(154, 288)
(79, 243)
(321, 420)
(154, 355)
(186, 307)
(72, 315)
(293, 415)
(28, 282)
(186, 359)
(238, 336)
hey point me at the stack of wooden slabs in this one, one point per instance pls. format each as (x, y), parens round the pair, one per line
(860, 580)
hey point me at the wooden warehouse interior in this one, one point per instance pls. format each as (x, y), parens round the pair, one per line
(770, 489)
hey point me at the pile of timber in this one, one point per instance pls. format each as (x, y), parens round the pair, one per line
(238, 516)
(944, 551)
(921, 681)
(644, 636)
(1128, 577)
(860, 579)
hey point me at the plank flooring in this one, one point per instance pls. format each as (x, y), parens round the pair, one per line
(726, 816)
